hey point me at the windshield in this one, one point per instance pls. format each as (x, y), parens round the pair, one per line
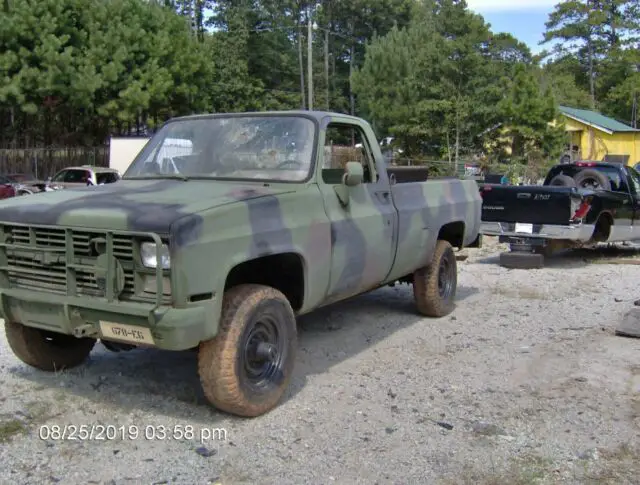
(236, 147)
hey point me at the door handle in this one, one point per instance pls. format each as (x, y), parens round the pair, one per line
(383, 195)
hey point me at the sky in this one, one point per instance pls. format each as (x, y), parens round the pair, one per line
(524, 19)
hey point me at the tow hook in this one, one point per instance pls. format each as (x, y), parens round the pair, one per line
(86, 330)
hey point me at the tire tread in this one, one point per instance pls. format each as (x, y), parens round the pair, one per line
(217, 357)
(425, 284)
(29, 345)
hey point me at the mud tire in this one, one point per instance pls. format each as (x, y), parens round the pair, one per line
(223, 361)
(431, 298)
(585, 176)
(562, 181)
(47, 351)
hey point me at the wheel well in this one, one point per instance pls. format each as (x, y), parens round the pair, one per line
(285, 272)
(453, 232)
(603, 227)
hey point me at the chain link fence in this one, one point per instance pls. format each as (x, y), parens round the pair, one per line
(41, 163)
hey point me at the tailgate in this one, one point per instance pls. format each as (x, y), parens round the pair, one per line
(534, 204)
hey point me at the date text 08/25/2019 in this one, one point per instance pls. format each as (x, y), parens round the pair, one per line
(109, 432)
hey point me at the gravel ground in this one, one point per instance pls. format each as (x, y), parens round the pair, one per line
(524, 383)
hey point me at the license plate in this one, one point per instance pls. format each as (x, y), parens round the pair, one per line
(127, 333)
(524, 228)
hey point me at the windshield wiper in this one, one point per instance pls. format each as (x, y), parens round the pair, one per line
(176, 176)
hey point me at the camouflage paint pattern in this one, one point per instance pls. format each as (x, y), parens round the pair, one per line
(386, 232)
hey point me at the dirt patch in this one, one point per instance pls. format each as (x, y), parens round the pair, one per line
(523, 383)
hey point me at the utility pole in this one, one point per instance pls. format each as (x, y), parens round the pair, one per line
(310, 58)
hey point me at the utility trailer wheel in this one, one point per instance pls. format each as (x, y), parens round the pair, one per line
(246, 368)
(434, 286)
(44, 350)
(521, 260)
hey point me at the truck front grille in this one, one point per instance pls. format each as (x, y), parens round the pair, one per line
(46, 271)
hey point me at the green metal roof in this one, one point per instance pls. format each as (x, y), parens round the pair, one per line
(595, 119)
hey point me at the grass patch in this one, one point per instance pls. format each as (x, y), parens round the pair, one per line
(614, 467)
(34, 413)
(9, 428)
(523, 470)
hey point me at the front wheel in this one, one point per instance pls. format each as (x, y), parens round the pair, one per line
(44, 350)
(246, 368)
(435, 285)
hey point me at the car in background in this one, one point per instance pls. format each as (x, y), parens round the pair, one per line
(82, 176)
(579, 204)
(24, 183)
(7, 188)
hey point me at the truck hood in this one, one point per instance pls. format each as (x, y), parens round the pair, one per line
(131, 205)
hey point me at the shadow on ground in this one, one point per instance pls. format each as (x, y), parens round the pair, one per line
(166, 382)
(578, 258)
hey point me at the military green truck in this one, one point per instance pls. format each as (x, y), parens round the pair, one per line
(223, 230)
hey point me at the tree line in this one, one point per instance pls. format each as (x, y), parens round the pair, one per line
(430, 73)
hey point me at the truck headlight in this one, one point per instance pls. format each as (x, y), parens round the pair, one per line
(149, 258)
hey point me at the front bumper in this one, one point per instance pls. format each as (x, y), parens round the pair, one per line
(170, 328)
(572, 232)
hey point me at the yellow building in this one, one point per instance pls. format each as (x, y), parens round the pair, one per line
(593, 136)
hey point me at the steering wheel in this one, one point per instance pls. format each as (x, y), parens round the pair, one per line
(289, 162)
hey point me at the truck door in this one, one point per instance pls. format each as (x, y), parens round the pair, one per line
(362, 233)
(634, 186)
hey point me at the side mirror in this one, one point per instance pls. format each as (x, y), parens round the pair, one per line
(353, 174)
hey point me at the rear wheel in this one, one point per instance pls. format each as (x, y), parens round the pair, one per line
(44, 350)
(435, 285)
(246, 368)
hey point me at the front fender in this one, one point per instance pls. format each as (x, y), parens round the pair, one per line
(245, 230)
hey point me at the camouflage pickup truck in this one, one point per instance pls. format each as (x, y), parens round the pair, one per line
(225, 228)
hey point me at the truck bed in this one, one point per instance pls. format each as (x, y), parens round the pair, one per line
(424, 206)
(532, 204)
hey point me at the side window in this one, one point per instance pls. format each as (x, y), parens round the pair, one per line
(76, 176)
(107, 177)
(342, 144)
(60, 176)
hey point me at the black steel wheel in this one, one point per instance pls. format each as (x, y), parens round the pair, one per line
(264, 353)
(446, 275)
